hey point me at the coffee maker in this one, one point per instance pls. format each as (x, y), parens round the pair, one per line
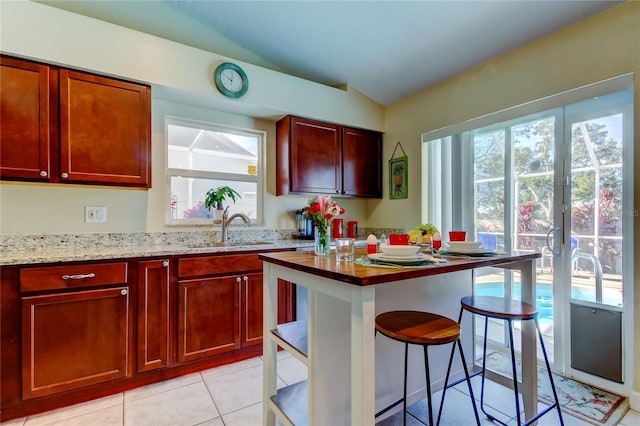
(304, 225)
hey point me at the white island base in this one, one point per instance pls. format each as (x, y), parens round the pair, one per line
(352, 374)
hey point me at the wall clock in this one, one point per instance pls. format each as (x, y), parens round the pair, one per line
(231, 80)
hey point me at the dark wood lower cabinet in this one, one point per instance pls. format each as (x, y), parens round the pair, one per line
(153, 314)
(252, 307)
(208, 317)
(74, 339)
(71, 332)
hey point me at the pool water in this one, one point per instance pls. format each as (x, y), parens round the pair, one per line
(544, 295)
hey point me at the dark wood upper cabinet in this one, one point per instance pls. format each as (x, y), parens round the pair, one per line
(28, 99)
(361, 163)
(310, 161)
(104, 130)
(61, 125)
(314, 157)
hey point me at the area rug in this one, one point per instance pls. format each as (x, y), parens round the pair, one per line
(593, 405)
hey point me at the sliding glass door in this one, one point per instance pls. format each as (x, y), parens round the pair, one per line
(514, 204)
(557, 183)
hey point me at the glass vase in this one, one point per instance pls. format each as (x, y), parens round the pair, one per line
(321, 238)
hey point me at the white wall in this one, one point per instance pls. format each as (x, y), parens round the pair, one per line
(182, 82)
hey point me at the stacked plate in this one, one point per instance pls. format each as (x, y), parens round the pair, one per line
(400, 254)
(399, 250)
(468, 248)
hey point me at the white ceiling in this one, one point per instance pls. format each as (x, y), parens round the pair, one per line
(384, 49)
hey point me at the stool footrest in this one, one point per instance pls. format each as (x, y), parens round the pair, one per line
(384, 410)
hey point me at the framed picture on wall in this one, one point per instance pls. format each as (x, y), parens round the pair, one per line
(398, 178)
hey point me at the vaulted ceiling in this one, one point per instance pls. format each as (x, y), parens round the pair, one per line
(384, 49)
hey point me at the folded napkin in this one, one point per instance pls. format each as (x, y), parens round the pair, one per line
(366, 261)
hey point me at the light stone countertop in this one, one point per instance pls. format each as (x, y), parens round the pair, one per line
(74, 254)
(57, 248)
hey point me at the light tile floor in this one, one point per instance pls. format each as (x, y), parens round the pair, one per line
(232, 395)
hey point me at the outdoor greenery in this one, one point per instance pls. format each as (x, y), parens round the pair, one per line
(596, 185)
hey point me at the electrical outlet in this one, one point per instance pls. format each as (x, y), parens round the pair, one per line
(95, 214)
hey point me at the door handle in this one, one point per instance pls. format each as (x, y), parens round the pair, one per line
(549, 246)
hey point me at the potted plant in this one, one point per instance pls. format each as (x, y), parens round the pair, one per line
(215, 197)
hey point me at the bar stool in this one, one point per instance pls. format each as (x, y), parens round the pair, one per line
(509, 310)
(424, 329)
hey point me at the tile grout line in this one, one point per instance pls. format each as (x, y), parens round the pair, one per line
(204, 382)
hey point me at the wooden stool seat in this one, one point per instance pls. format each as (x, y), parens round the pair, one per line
(509, 310)
(424, 329)
(421, 328)
(499, 307)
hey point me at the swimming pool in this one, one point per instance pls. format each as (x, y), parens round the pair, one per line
(544, 295)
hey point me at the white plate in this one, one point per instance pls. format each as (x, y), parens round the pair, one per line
(386, 256)
(469, 251)
(413, 260)
(399, 250)
(464, 245)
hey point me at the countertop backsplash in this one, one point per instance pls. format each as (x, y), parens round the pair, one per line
(53, 248)
(178, 238)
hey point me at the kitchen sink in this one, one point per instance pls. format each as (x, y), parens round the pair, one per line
(244, 244)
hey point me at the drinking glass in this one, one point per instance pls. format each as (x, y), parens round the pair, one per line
(436, 244)
(345, 249)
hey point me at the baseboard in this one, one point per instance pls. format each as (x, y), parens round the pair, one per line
(634, 400)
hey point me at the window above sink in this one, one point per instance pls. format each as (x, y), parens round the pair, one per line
(201, 156)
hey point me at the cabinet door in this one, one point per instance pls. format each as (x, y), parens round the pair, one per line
(26, 112)
(104, 130)
(71, 340)
(253, 308)
(361, 163)
(315, 157)
(153, 314)
(208, 316)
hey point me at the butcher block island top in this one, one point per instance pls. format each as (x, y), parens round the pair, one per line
(361, 274)
(351, 374)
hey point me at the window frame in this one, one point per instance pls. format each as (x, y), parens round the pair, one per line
(259, 178)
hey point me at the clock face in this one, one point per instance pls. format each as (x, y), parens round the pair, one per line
(231, 80)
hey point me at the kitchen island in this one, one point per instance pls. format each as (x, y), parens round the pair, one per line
(351, 374)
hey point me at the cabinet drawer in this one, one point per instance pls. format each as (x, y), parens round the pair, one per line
(214, 265)
(73, 276)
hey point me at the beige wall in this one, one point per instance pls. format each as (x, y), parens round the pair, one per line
(595, 49)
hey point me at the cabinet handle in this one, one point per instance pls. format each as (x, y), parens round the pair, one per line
(238, 280)
(64, 175)
(124, 292)
(165, 263)
(246, 279)
(43, 174)
(337, 191)
(78, 276)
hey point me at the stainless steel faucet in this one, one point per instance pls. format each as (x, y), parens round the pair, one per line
(226, 220)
